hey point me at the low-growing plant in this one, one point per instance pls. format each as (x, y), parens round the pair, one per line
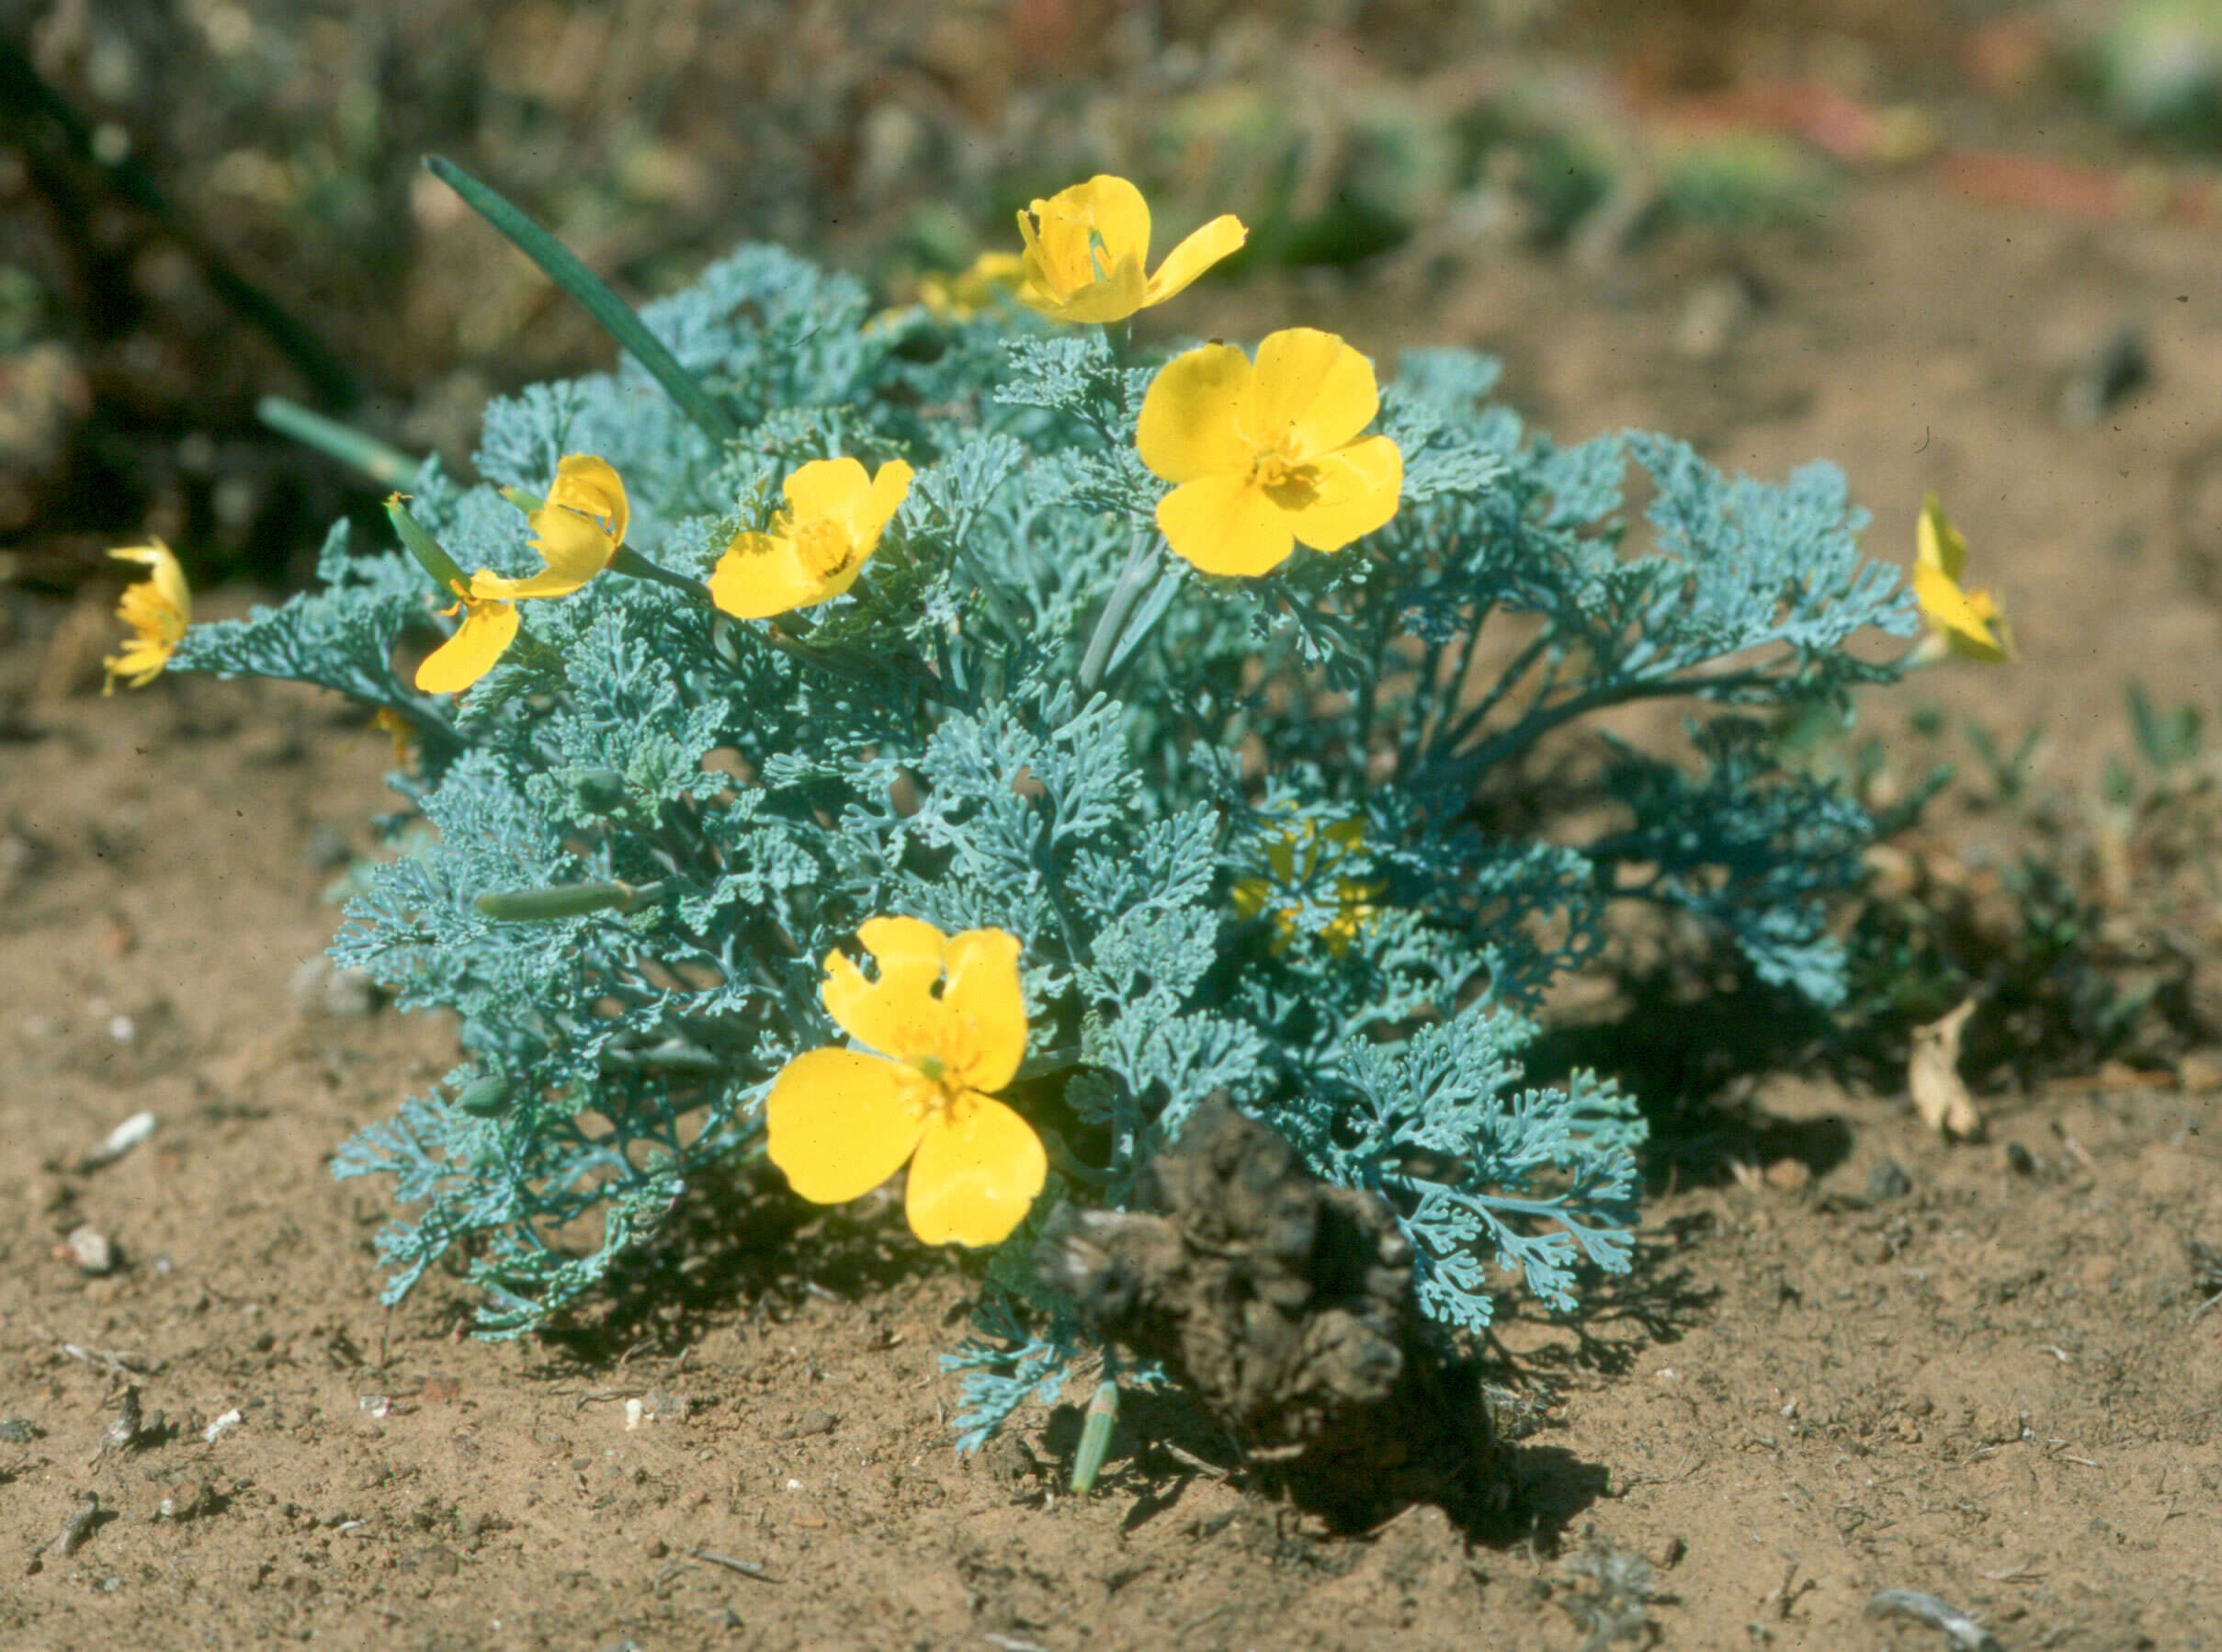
(1149, 719)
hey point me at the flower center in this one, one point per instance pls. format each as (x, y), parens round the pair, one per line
(825, 549)
(1288, 480)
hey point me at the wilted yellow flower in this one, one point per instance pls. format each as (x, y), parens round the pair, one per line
(489, 626)
(1300, 854)
(398, 729)
(576, 531)
(992, 278)
(1086, 247)
(817, 547)
(157, 608)
(1268, 456)
(948, 1021)
(1969, 623)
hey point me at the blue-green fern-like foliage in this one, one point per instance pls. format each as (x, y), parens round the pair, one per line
(925, 746)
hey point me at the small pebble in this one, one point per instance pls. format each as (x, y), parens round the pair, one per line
(120, 1141)
(1887, 1180)
(91, 1249)
(196, 1500)
(79, 1527)
(129, 1424)
(222, 1426)
(321, 988)
(1789, 1175)
(2020, 1159)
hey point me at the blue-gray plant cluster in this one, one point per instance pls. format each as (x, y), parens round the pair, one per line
(1264, 839)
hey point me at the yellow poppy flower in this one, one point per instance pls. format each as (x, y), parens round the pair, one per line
(488, 625)
(576, 531)
(992, 278)
(1969, 623)
(949, 1023)
(157, 608)
(1300, 854)
(1086, 247)
(1265, 457)
(817, 547)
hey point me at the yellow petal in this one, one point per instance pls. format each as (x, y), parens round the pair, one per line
(827, 487)
(759, 576)
(1198, 254)
(1950, 612)
(839, 1122)
(140, 663)
(575, 548)
(489, 586)
(1937, 543)
(1114, 298)
(1114, 208)
(983, 1001)
(1189, 423)
(897, 1015)
(1357, 489)
(1249, 895)
(168, 576)
(890, 487)
(1086, 247)
(976, 1173)
(591, 487)
(1226, 525)
(1311, 388)
(151, 615)
(1088, 228)
(470, 654)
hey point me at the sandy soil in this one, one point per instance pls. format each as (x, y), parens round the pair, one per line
(1980, 1377)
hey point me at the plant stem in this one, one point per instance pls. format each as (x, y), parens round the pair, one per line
(388, 466)
(633, 565)
(1511, 741)
(617, 318)
(1123, 595)
(1455, 733)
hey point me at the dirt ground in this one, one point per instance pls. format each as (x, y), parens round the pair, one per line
(1874, 1362)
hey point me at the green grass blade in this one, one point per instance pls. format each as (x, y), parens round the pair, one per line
(388, 466)
(615, 315)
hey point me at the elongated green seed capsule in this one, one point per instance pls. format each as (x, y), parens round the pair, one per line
(484, 1098)
(1094, 1438)
(572, 900)
(426, 549)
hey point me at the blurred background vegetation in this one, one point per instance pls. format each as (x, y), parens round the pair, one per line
(202, 201)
